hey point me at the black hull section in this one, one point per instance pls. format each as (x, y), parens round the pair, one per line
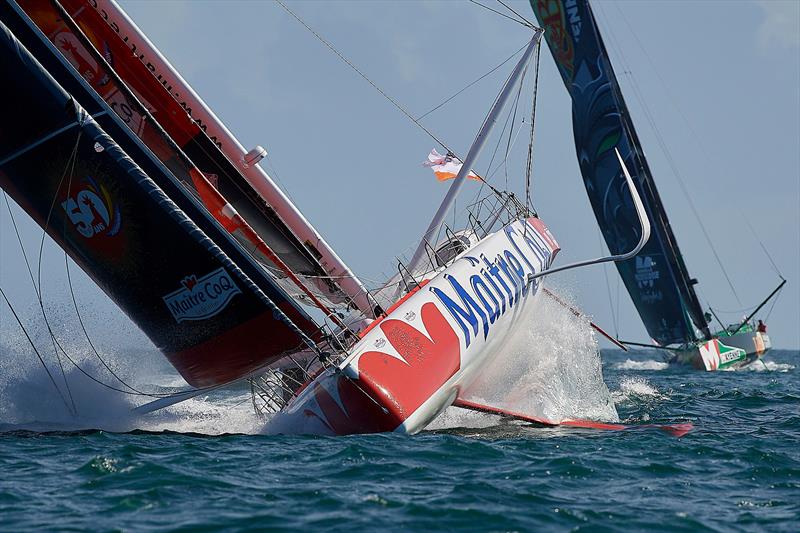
(131, 226)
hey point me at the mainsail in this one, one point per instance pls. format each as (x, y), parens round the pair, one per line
(172, 103)
(119, 212)
(657, 279)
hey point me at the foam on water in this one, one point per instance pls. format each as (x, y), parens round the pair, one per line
(28, 399)
(768, 366)
(551, 370)
(633, 389)
(649, 364)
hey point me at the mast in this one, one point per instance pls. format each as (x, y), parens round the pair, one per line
(474, 151)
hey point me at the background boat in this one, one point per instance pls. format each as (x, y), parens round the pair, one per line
(658, 280)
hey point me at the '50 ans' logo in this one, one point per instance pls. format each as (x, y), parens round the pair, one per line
(92, 212)
(201, 298)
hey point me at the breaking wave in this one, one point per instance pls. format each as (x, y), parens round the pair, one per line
(635, 389)
(649, 364)
(550, 370)
(768, 366)
(30, 401)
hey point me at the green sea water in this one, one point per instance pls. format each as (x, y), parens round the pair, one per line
(739, 469)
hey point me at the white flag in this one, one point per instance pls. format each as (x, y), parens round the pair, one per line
(446, 167)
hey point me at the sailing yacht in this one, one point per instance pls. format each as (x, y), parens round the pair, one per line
(123, 165)
(657, 279)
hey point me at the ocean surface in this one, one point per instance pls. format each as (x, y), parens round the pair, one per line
(207, 466)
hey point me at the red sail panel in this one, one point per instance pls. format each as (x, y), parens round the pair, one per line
(174, 116)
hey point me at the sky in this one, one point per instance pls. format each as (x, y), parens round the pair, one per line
(720, 80)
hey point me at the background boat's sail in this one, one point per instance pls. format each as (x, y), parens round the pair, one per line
(657, 279)
(184, 280)
(175, 117)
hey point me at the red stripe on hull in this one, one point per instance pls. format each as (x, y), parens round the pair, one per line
(386, 382)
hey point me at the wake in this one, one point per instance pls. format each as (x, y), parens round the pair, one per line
(29, 401)
(551, 370)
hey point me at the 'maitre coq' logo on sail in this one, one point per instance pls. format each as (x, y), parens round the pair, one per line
(203, 297)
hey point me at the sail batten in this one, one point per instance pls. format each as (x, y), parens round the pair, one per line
(657, 279)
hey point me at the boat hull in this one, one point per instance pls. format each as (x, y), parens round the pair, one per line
(411, 366)
(726, 353)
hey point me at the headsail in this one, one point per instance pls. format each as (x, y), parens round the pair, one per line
(214, 312)
(657, 279)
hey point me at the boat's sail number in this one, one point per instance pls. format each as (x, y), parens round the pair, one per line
(88, 213)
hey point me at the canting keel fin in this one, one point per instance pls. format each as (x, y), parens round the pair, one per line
(182, 396)
(676, 430)
(172, 399)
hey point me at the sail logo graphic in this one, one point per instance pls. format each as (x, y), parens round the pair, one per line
(203, 297)
(500, 285)
(554, 19)
(92, 212)
(77, 55)
(646, 273)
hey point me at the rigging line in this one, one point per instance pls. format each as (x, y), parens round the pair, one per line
(617, 295)
(753, 231)
(72, 293)
(41, 359)
(513, 121)
(72, 410)
(608, 286)
(736, 311)
(377, 88)
(54, 340)
(364, 76)
(68, 168)
(523, 21)
(685, 192)
(502, 164)
(86, 334)
(509, 58)
(662, 144)
(497, 146)
(697, 138)
(527, 22)
(529, 163)
(19, 239)
(489, 167)
(766, 318)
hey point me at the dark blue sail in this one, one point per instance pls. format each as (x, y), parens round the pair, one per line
(657, 279)
(124, 219)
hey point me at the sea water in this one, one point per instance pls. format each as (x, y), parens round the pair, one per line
(208, 464)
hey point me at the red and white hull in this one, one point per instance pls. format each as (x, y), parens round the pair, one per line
(412, 364)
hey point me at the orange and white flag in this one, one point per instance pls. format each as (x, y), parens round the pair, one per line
(446, 167)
